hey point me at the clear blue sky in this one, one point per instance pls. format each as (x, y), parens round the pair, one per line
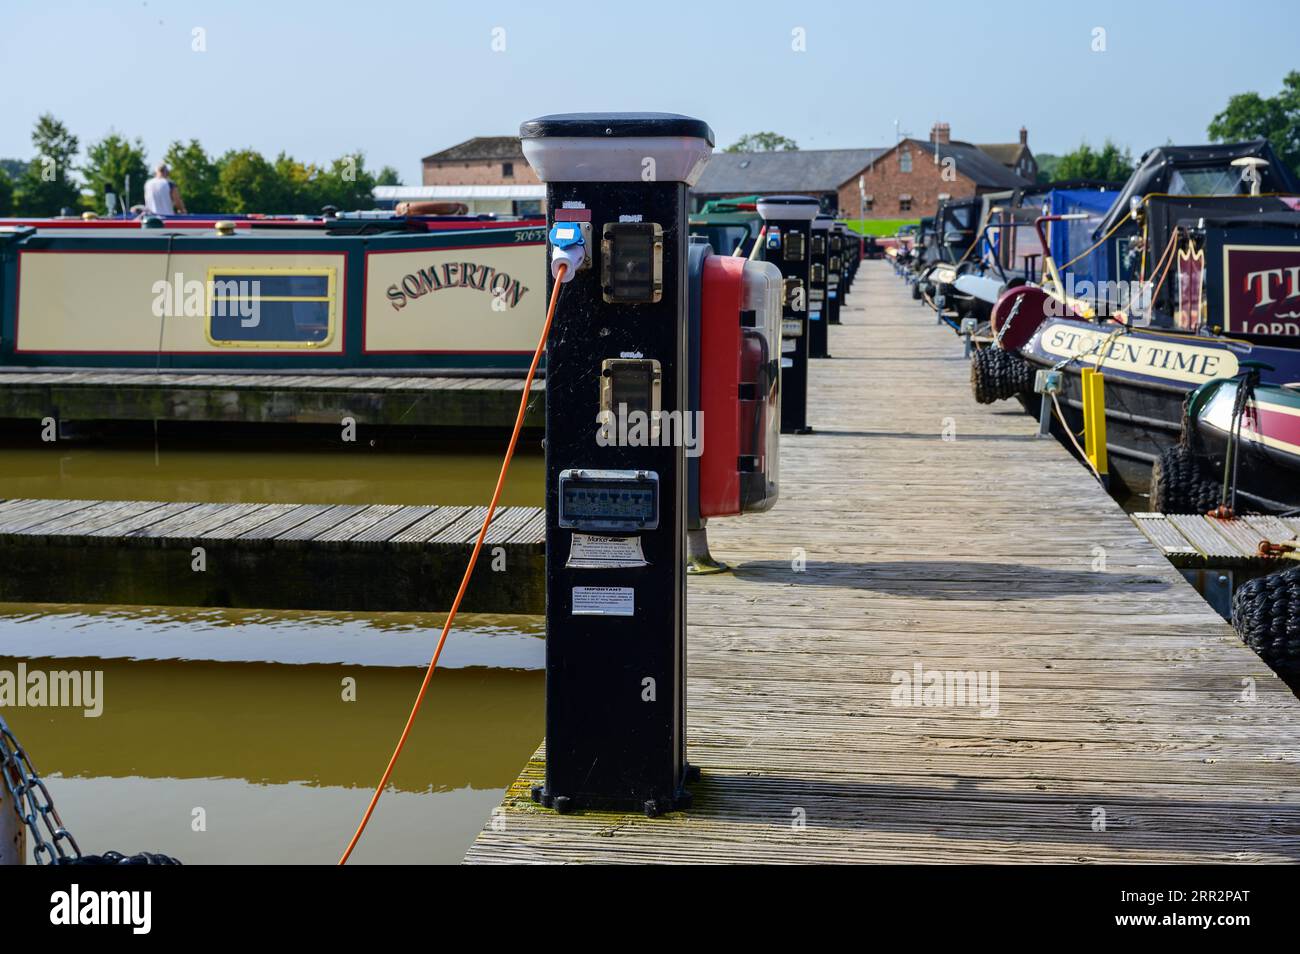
(400, 80)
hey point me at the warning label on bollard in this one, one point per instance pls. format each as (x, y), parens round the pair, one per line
(604, 601)
(593, 553)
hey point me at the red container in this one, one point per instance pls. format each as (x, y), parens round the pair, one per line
(740, 333)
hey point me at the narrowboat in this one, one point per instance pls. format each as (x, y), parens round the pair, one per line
(730, 226)
(1184, 288)
(359, 291)
(966, 243)
(1241, 430)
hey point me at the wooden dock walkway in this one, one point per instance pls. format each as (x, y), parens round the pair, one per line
(1131, 724)
(273, 556)
(90, 397)
(1193, 541)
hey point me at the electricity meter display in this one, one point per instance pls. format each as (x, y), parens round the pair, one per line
(818, 245)
(609, 500)
(818, 274)
(632, 256)
(794, 246)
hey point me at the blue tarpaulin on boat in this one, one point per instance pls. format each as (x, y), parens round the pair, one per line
(1068, 239)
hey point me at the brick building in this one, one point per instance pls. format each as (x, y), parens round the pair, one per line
(486, 174)
(483, 160)
(907, 180)
(912, 178)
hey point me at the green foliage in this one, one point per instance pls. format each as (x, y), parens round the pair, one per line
(46, 186)
(246, 182)
(1275, 118)
(241, 181)
(195, 175)
(1047, 166)
(345, 184)
(108, 163)
(1109, 163)
(878, 227)
(763, 142)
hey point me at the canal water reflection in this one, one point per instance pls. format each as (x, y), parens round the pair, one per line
(242, 718)
(274, 755)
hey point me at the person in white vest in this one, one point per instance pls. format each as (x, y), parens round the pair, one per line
(161, 196)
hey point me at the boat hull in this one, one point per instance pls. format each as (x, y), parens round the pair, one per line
(1268, 472)
(1148, 376)
(313, 299)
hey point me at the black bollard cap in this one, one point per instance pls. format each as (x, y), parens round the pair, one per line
(615, 126)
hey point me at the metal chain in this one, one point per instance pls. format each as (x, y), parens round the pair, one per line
(1015, 310)
(33, 804)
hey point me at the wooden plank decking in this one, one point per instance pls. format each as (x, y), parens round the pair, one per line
(1192, 541)
(280, 556)
(86, 397)
(1131, 723)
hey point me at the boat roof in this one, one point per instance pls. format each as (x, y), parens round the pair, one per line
(270, 227)
(1157, 166)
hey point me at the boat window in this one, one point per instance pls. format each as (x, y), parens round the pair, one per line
(962, 215)
(1207, 180)
(725, 239)
(271, 307)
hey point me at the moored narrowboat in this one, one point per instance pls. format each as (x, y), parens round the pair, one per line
(1240, 449)
(1203, 293)
(365, 292)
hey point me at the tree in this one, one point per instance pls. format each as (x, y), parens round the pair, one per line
(346, 184)
(47, 187)
(195, 176)
(6, 193)
(296, 188)
(246, 182)
(110, 162)
(388, 176)
(1109, 164)
(1047, 166)
(14, 168)
(763, 142)
(1276, 118)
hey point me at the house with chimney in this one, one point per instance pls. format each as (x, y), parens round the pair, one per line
(910, 179)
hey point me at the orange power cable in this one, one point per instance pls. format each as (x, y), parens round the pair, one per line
(469, 570)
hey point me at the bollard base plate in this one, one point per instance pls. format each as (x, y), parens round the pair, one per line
(678, 801)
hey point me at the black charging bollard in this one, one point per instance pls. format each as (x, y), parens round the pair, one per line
(834, 273)
(852, 255)
(818, 284)
(616, 429)
(788, 220)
